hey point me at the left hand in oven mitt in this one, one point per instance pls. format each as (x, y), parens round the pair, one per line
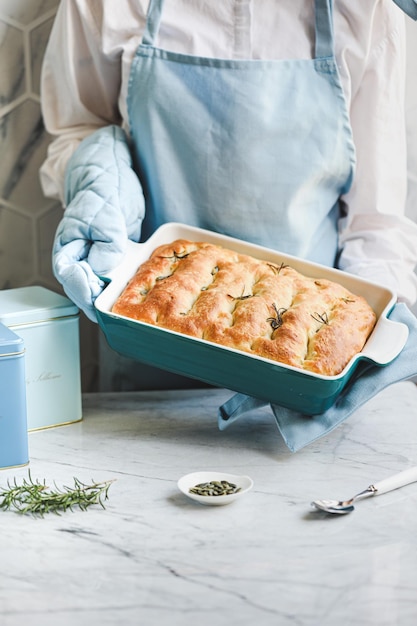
(299, 430)
(105, 208)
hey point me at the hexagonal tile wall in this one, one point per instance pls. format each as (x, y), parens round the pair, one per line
(28, 220)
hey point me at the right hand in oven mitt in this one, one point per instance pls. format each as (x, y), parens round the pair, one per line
(105, 208)
(299, 430)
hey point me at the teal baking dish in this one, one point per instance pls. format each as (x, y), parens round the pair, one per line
(220, 366)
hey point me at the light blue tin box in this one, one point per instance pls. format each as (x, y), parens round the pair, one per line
(13, 420)
(48, 323)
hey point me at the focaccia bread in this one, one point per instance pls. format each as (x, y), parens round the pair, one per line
(265, 309)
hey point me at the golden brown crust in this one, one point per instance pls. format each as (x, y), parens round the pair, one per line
(235, 300)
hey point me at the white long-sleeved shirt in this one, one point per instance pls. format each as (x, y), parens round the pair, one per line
(86, 71)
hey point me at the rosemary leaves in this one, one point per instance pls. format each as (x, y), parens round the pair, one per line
(277, 321)
(277, 268)
(242, 295)
(36, 498)
(320, 318)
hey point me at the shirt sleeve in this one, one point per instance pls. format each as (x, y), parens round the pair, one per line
(377, 240)
(79, 87)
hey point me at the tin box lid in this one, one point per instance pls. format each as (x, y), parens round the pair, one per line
(33, 304)
(10, 343)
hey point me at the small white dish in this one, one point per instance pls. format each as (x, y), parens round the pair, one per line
(244, 483)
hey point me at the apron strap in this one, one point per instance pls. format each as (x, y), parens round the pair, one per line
(153, 20)
(324, 29)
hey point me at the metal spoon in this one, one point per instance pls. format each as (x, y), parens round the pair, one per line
(388, 484)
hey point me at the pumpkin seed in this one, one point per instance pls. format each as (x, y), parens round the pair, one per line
(215, 488)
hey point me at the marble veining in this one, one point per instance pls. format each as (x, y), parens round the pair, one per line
(38, 40)
(12, 67)
(154, 557)
(22, 160)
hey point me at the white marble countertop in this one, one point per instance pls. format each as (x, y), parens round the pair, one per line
(155, 557)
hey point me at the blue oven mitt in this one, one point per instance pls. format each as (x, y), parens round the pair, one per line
(105, 208)
(299, 430)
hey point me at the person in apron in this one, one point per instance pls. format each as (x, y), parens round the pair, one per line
(257, 149)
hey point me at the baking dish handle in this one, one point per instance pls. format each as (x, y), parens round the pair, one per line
(386, 342)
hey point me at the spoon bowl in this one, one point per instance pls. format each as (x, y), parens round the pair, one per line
(341, 507)
(334, 506)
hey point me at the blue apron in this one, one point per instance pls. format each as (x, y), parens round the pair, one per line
(259, 150)
(256, 149)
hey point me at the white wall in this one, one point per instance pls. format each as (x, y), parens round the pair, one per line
(411, 111)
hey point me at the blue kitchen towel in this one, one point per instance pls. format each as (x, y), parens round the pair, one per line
(299, 430)
(409, 6)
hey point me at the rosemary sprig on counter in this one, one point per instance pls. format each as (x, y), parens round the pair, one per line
(36, 498)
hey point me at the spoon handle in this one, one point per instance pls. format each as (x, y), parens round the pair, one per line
(394, 482)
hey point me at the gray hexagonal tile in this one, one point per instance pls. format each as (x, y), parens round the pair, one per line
(38, 38)
(26, 11)
(16, 249)
(24, 144)
(12, 67)
(46, 226)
